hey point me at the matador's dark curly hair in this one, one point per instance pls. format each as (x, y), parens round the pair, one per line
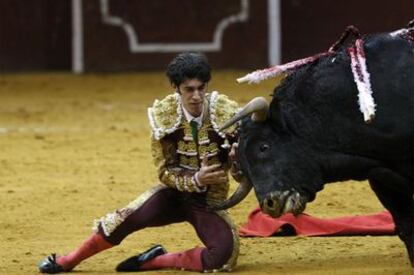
(187, 66)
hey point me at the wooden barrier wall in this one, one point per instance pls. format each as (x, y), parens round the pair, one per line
(130, 35)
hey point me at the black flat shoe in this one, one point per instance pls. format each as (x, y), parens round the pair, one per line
(133, 263)
(49, 265)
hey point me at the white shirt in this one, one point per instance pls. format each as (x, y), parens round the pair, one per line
(198, 119)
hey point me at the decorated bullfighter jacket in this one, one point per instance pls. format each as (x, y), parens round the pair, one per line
(178, 153)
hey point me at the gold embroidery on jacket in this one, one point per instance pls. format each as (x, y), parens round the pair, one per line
(166, 115)
(188, 135)
(178, 161)
(208, 150)
(187, 148)
(190, 162)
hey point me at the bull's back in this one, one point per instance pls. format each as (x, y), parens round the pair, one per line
(320, 102)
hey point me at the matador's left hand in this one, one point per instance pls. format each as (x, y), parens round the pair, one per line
(211, 174)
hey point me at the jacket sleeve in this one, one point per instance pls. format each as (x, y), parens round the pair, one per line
(164, 153)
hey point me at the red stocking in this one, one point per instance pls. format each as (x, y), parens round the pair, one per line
(93, 245)
(188, 260)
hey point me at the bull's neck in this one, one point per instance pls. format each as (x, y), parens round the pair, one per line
(340, 167)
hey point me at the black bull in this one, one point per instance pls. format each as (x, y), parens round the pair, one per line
(314, 133)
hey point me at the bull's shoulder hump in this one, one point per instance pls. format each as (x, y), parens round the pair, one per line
(165, 115)
(384, 41)
(222, 108)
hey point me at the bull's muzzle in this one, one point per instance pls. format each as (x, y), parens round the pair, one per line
(278, 203)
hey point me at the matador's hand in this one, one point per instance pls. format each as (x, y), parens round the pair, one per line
(233, 150)
(235, 170)
(211, 174)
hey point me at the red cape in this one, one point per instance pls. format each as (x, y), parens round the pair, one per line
(262, 225)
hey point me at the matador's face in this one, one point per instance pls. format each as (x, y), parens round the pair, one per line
(192, 95)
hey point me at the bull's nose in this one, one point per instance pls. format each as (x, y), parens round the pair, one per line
(271, 206)
(269, 203)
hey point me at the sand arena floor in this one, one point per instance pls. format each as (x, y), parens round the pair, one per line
(73, 148)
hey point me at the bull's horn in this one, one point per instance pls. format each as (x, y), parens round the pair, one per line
(242, 191)
(258, 107)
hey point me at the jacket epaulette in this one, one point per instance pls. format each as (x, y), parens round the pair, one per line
(165, 115)
(221, 110)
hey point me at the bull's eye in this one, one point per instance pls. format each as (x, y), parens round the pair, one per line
(264, 147)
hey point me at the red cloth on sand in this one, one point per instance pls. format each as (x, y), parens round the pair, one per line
(262, 225)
